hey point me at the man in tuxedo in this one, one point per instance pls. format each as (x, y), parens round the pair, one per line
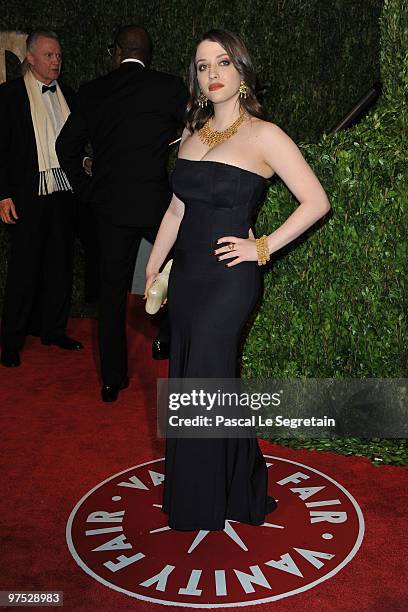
(129, 116)
(36, 200)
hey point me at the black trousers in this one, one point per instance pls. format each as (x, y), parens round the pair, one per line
(39, 276)
(118, 250)
(86, 230)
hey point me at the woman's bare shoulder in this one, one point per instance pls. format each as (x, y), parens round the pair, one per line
(188, 144)
(188, 136)
(185, 135)
(266, 129)
(185, 142)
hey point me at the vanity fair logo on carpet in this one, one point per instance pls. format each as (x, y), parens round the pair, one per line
(118, 534)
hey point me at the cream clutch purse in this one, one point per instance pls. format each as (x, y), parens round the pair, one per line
(157, 292)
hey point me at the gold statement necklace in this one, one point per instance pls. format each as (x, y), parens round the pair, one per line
(212, 138)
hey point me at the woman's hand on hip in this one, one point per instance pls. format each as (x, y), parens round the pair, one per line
(236, 250)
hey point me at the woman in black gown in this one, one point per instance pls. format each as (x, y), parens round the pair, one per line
(226, 155)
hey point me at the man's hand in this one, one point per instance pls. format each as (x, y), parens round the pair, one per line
(87, 163)
(8, 211)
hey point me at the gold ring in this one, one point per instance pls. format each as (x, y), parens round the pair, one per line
(231, 246)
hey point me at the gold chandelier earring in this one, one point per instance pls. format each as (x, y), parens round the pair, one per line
(202, 100)
(243, 90)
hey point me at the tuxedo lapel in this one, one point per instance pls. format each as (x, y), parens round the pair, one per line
(22, 105)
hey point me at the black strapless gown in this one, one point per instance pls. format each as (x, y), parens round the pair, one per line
(211, 480)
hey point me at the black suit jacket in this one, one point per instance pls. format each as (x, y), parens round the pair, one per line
(129, 116)
(19, 172)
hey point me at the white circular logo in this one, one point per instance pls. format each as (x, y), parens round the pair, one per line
(118, 534)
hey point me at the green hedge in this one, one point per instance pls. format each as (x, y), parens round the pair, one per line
(334, 301)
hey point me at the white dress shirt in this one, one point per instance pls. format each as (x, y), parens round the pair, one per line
(133, 59)
(53, 107)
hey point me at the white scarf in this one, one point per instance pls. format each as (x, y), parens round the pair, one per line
(52, 177)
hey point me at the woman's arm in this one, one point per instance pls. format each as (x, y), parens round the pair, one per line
(282, 155)
(165, 239)
(167, 234)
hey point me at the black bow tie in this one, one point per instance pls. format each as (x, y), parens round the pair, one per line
(51, 88)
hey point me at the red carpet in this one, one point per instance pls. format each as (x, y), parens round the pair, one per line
(59, 442)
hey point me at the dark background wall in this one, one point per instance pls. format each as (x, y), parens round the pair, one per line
(316, 57)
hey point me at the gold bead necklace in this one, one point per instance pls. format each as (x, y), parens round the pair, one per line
(212, 138)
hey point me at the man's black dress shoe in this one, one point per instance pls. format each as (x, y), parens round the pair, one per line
(160, 349)
(271, 504)
(10, 359)
(109, 393)
(63, 342)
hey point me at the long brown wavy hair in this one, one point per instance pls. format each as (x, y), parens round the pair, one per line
(238, 54)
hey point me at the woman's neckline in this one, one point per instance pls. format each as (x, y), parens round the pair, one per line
(212, 161)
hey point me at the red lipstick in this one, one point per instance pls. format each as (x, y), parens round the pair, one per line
(215, 86)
